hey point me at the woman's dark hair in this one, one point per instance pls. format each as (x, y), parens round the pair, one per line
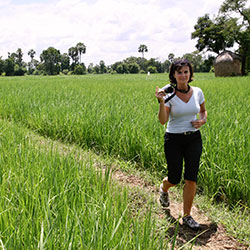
(177, 65)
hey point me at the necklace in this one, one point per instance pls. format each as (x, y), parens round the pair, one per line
(184, 91)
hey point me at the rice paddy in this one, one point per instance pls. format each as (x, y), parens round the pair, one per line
(114, 115)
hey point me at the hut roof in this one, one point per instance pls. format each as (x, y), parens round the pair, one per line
(227, 56)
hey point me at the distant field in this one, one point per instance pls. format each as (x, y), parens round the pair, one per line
(117, 114)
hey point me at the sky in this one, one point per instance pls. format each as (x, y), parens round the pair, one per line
(111, 30)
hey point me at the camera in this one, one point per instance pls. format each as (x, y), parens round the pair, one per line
(168, 88)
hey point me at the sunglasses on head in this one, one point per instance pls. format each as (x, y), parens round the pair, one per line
(181, 62)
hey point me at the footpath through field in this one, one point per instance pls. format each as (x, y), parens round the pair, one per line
(211, 236)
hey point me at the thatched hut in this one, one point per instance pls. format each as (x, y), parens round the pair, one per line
(227, 64)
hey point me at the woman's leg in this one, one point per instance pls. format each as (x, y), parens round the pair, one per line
(166, 185)
(192, 156)
(164, 198)
(174, 157)
(188, 196)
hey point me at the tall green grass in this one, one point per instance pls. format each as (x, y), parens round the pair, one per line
(227, 139)
(118, 115)
(54, 201)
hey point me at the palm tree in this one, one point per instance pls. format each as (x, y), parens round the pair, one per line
(31, 64)
(31, 53)
(171, 57)
(73, 53)
(143, 48)
(19, 55)
(81, 48)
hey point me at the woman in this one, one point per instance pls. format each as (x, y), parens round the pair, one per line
(182, 137)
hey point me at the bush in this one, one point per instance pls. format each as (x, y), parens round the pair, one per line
(65, 71)
(152, 69)
(122, 68)
(212, 69)
(36, 72)
(79, 70)
(19, 71)
(133, 68)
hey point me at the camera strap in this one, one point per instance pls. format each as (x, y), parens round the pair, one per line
(170, 97)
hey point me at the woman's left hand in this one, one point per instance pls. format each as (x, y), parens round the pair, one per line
(198, 123)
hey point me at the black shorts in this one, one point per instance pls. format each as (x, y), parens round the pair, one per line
(179, 147)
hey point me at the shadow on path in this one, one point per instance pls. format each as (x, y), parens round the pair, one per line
(184, 234)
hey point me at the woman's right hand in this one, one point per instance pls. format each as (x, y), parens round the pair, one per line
(159, 94)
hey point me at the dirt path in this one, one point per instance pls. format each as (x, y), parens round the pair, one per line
(210, 237)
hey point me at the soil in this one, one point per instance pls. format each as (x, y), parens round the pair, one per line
(211, 236)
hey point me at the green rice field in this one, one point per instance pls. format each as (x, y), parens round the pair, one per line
(117, 114)
(52, 197)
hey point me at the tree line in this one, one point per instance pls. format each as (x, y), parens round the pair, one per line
(52, 62)
(231, 26)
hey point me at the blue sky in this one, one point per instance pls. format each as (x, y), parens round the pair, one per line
(112, 30)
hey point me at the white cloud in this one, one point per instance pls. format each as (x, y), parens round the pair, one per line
(111, 29)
